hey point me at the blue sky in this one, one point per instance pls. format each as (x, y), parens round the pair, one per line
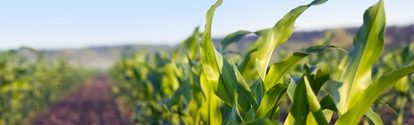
(46, 24)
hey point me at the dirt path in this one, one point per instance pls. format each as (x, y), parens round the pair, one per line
(92, 104)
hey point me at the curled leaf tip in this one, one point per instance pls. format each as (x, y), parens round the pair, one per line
(317, 2)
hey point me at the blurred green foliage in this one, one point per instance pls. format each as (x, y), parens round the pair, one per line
(29, 83)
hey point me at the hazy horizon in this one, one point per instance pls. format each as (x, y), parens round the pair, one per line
(79, 24)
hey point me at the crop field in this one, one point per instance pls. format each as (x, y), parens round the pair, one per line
(29, 84)
(205, 82)
(322, 84)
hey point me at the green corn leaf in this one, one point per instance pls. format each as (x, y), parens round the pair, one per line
(260, 41)
(245, 91)
(317, 2)
(274, 113)
(291, 93)
(289, 120)
(227, 85)
(277, 36)
(231, 38)
(374, 117)
(207, 50)
(291, 88)
(219, 72)
(194, 79)
(233, 115)
(355, 68)
(408, 54)
(402, 85)
(311, 97)
(303, 97)
(263, 121)
(401, 103)
(210, 111)
(185, 86)
(243, 103)
(322, 75)
(314, 105)
(191, 45)
(140, 73)
(328, 102)
(278, 70)
(247, 66)
(230, 117)
(310, 120)
(370, 95)
(262, 32)
(328, 114)
(193, 107)
(186, 120)
(149, 89)
(300, 106)
(170, 82)
(249, 115)
(257, 91)
(271, 99)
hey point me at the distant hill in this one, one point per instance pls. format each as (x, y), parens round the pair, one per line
(102, 57)
(395, 37)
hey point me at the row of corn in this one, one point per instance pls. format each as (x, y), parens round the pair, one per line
(28, 83)
(322, 84)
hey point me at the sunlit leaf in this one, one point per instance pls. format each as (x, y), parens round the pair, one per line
(355, 68)
(210, 113)
(219, 72)
(271, 100)
(314, 105)
(373, 91)
(278, 70)
(277, 36)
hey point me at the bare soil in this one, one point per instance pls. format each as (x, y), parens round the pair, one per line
(92, 104)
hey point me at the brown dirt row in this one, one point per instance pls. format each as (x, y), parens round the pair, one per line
(92, 104)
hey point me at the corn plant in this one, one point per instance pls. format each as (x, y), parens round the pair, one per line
(400, 94)
(214, 89)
